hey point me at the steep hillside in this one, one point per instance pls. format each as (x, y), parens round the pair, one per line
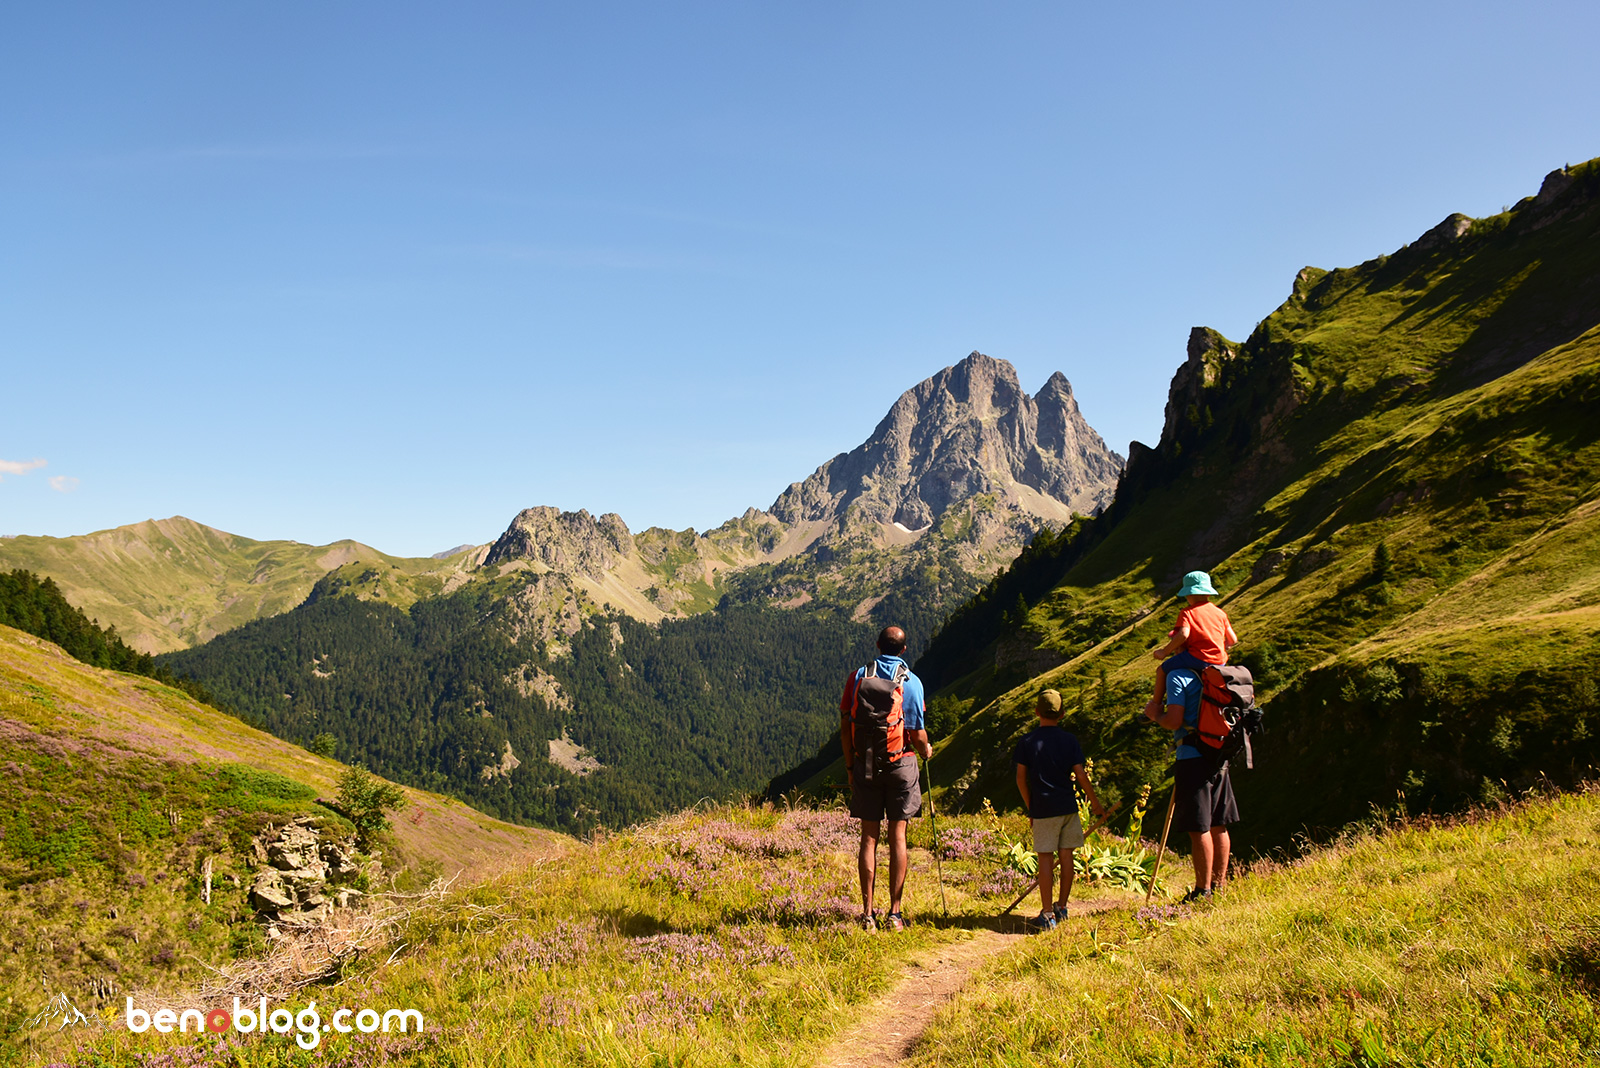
(608, 724)
(167, 584)
(1395, 482)
(119, 794)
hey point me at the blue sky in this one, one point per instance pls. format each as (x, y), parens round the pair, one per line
(396, 271)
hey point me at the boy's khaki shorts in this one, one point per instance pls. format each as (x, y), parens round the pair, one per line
(1057, 834)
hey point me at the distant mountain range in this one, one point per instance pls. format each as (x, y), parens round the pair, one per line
(573, 672)
(167, 584)
(966, 449)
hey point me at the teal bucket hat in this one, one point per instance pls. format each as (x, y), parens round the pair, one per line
(1197, 582)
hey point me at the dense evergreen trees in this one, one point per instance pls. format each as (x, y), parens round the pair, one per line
(712, 705)
(37, 606)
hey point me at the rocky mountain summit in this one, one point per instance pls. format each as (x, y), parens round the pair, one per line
(959, 474)
(575, 542)
(577, 637)
(966, 431)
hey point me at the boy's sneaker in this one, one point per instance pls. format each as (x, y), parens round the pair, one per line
(1045, 921)
(869, 922)
(1061, 913)
(1199, 893)
(894, 922)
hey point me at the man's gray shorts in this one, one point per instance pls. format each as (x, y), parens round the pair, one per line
(894, 795)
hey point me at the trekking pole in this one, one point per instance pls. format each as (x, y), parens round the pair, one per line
(1112, 811)
(933, 820)
(1165, 827)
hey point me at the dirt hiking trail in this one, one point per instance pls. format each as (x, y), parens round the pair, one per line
(888, 1029)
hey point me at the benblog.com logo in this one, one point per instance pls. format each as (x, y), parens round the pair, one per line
(307, 1023)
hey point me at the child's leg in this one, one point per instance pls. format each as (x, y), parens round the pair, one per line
(1153, 709)
(1047, 863)
(1068, 870)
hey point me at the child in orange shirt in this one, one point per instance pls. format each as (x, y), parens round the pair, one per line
(1203, 635)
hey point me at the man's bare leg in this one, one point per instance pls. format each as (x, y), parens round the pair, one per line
(897, 861)
(867, 863)
(1047, 865)
(1200, 845)
(1220, 847)
(1067, 872)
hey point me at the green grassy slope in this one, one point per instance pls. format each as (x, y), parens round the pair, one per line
(1472, 943)
(113, 790)
(1438, 403)
(167, 584)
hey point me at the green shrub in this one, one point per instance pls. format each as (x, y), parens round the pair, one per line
(366, 801)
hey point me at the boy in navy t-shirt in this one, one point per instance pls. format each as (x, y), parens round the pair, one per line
(1048, 759)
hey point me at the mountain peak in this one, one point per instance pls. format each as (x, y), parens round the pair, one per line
(968, 430)
(564, 541)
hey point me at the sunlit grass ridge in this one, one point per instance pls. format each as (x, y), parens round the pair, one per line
(1427, 944)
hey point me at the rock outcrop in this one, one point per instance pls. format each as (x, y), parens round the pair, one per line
(298, 865)
(968, 430)
(569, 542)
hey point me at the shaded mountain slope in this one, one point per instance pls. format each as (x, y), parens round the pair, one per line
(1394, 483)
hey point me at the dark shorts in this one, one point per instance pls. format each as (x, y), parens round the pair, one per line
(1183, 661)
(894, 795)
(1205, 795)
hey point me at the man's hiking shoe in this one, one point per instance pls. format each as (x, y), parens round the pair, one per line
(894, 922)
(1199, 893)
(869, 922)
(1045, 921)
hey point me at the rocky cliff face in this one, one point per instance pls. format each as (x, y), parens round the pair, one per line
(968, 430)
(966, 449)
(573, 542)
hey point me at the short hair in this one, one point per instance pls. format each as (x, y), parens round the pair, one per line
(892, 641)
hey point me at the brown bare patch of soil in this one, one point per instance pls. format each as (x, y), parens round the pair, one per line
(884, 1032)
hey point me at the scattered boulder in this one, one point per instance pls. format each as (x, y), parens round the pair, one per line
(298, 864)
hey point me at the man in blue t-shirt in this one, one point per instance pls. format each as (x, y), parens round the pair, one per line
(895, 794)
(1203, 793)
(1048, 759)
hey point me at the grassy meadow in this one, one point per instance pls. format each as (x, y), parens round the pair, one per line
(725, 936)
(1469, 941)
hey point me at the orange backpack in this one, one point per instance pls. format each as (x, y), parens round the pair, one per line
(1228, 713)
